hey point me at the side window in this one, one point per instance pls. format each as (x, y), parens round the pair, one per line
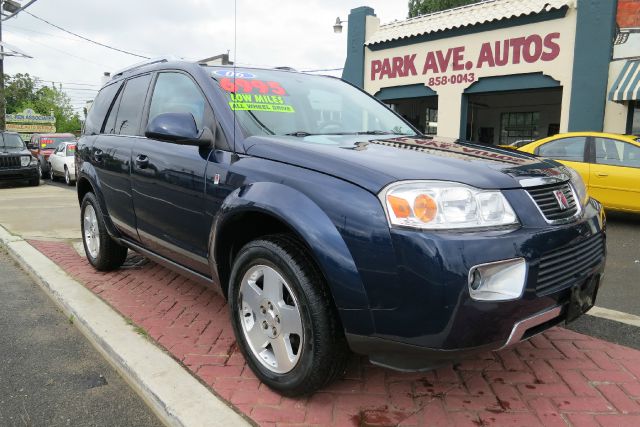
(131, 105)
(177, 93)
(99, 108)
(617, 153)
(571, 149)
(110, 124)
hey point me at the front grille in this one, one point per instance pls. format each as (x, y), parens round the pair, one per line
(549, 205)
(560, 268)
(9, 162)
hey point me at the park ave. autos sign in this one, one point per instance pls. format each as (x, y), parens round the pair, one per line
(453, 66)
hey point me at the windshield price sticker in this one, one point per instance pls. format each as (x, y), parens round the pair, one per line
(251, 86)
(255, 102)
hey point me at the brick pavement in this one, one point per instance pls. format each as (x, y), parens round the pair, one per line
(559, 378)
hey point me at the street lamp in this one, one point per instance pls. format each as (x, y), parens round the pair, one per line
(337, 27)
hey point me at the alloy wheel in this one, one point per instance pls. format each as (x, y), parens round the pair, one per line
(270, 319)
(67, 177)
(91, 231)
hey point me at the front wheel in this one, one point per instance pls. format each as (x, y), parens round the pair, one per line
(102, 251)
(283, 317)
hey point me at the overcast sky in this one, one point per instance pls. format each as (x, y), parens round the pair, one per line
(296, 33)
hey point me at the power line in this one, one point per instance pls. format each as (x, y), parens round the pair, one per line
(85, 38)
(63, 51)
(28, 30)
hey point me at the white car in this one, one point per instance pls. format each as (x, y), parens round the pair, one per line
(62, 163)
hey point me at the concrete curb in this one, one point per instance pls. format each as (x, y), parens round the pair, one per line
(176, 397)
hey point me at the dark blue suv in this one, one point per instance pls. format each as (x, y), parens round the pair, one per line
(329, 222)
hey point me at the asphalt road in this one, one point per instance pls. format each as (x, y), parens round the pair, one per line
(49, 374)
(620, 289)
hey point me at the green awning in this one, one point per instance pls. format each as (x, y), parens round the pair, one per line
(627, 85)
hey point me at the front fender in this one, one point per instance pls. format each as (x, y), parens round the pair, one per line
(313, 227)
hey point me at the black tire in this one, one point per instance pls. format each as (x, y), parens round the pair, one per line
(40, 173)
(110, 254)
(67, 177)
(52, 176)
(324, 349)
(34, 182)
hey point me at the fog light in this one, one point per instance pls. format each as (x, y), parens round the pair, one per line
(498, 281)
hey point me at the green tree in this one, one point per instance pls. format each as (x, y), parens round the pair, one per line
(421, 7)
(21, 91)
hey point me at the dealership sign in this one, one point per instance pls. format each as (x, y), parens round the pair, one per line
(454, 65)
(29, 121)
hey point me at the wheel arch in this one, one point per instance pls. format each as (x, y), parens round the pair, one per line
(263, 209)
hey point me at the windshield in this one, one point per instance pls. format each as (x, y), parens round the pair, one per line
(11, 141)
(52, 142)
(269, 102)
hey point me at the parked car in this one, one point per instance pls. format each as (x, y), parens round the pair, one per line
(329, 222)
(62, 163)
(608, 163)
(43, 144)
(16, 162)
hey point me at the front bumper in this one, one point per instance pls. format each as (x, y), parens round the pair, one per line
(428, 317)
(15, 174)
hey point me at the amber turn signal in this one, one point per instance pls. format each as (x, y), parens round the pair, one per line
(401, 208)
(425, 208)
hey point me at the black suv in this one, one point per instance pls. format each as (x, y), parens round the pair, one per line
(16, 161)
(329, 222)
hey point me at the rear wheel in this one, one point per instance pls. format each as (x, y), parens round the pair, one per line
(283, 317)
(52, 176)
(67, 176)
(102, 251)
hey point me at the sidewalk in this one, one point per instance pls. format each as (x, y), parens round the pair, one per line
(560, 378)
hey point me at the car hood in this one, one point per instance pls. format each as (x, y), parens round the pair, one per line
(373, 163)
(12, 151)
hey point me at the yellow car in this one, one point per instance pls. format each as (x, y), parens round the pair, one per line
(609, 164)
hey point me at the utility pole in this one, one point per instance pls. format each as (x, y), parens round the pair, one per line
(3, 103)
(12, 7)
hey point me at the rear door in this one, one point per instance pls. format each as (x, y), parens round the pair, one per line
(111, 152)
(169, 179)
(615, 174)
(571, 151)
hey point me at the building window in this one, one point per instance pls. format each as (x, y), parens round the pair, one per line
(518, 126)
(633, 127)
(431, 125)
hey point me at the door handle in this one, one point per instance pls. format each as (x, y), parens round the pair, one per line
(602, 174)
(97, 155)
(142, 161)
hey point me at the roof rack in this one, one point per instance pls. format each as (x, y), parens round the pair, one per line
(144, 63)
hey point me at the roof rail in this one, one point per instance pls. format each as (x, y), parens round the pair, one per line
(144, 63)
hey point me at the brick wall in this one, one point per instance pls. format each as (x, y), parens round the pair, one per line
(628, 13)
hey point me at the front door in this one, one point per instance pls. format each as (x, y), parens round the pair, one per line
(571, 151)
(169, 179)
(615, 174)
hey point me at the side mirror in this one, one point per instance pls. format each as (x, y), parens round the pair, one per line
(178, 128)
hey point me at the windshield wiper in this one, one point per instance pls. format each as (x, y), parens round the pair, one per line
(300, 133)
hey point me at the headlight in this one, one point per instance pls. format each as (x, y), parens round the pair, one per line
(440, 205)
(578, 186)
(25, 160)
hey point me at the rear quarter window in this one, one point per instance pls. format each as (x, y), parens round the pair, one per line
(99, 109)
